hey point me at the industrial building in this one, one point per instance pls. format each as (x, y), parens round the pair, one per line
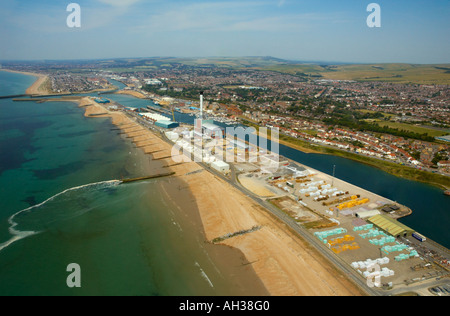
(220, 166)
(367, 213)
(154, 117)
(203, 127)
(212, 130)
(389, 209)
(101, 100)
(160, 120)
(391, 226)
(167, 124)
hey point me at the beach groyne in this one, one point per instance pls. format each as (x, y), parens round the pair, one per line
(156, 176)
(235, 234)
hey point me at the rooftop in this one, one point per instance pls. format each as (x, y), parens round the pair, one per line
(390, 225)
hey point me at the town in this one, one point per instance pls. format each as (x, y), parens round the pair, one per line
(405, 123)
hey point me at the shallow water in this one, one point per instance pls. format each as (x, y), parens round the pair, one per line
(58, 206)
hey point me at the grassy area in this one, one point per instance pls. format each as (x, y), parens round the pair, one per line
(231, 62)
(297, 69)
(397, 73)
(371, 111)
(412, 128)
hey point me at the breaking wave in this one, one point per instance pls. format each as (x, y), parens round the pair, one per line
(204, 275)
(31, 218)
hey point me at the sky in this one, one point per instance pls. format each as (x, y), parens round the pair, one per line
(413, 31)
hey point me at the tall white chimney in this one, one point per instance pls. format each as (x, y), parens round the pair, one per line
(201, 104)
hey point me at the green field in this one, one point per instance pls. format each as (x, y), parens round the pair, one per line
(400, 73)
(396, 73)
(371, 111)
(412, 128)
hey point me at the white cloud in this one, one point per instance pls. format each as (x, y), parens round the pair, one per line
(52, 18)
(120, 3)
(220, 16)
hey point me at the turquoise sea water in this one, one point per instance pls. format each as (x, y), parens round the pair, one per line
(59, 205)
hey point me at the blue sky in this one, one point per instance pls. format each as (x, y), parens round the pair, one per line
(413, 31)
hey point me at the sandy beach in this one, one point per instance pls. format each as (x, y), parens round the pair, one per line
(38, 87)
(132, 93)
(283, 263)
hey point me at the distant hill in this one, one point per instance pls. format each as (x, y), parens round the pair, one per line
(397, 73)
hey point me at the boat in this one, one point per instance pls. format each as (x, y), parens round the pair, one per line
(447, 192)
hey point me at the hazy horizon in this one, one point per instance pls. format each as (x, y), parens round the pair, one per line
(412, 32)
(317, 62)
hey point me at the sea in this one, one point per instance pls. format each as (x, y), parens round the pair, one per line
(61, 203)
